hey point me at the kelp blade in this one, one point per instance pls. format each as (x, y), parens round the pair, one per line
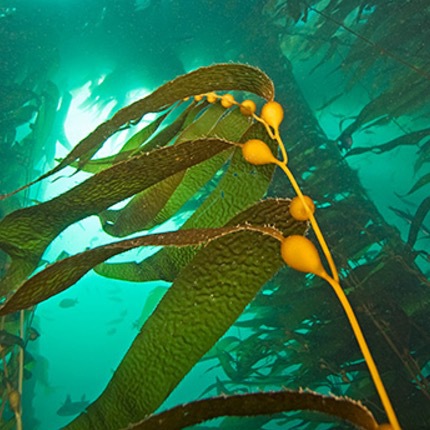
(254, 404)
(218, 77)
(158, 203)
(25, 234)
(206, 298)
(241, 186)
(64, 273)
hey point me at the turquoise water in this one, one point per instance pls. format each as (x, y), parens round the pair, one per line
(106, 54)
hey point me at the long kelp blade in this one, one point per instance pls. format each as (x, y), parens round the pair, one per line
(142, 208)
(126, 151)
(142, 136)
(204, 124)
(158, 203)
(162, 138)
(417, 221)
(218, 77)
(25, 234)
(64, 273)
(139, 213)
(424, 180)
(205, 299)
(246, 405)
(232, 126)
(169, 132)
(407, 139)
(241, 185)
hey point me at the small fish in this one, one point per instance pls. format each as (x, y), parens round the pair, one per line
(115, 321)
(115, 299)
(72, 408)
(111, 331)
(68, 303)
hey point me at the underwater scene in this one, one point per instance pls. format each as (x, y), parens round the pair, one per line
(214, 214)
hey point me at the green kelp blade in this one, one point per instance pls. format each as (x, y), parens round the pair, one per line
(240, 186)
(138, 139)
(139, 213)
(213, 78)
(232, 127)
(424, 180)
(158, 203)
(162, 138)
(25, 234)
(205, 299)
(406, 139)
(127, 150)
(141, 209)
(64, 273)
(247, 405)
(170, 132)
(417, 221)
(204, 124)
(423, 155)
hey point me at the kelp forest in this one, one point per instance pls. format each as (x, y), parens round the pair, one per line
(303, 293)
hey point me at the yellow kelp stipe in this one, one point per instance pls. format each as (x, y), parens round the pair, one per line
(300, 253)
(297, 251)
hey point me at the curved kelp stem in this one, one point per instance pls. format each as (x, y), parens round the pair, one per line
(246, 405)
(300, 253)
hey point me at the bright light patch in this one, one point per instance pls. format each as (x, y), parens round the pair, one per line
(82, 119)
(79, 121)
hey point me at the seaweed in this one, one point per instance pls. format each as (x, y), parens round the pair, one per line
(258, 404)
(227, 250)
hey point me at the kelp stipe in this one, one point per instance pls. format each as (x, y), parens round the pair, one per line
(300, 253)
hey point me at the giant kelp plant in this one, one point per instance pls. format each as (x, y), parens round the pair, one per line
(293, 327)
(218, 262)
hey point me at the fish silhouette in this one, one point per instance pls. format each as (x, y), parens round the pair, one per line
(72, 408)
